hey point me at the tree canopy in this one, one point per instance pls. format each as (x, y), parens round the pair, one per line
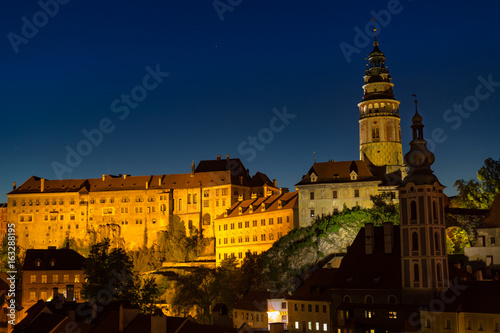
(479, 193)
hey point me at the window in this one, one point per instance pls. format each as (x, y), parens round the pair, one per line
(43, 295)
(232, 226)
(312, 212)
(309, 307)
(77, 294)
(263, 237)
(263, 222)
(280, 220)
(393, 315)
(225, 240)
(334, 194)
(347, 299)
(32, 296)
(32, 278)
(481, 326)
(240, 225)
(55, 278)
(356, 193)
(492, 241)
(325, 327)
(195, 198)
(414, 241)
(317, 326)
(283, 305)
(240, 240)
(247, 224)
(254, 223)
(205, 203)
(206, 193)
(369, 299)
(311, 195)
(296, 307)
(413, 210)
(225, 226)
(368, 314)
(271, 221)
(416, 274)
(309, 325)
(247, 239)
(77, 278)
(316, 308)
(254, 238)
(302, 307)
(180, 204)
(296, 325)
(44, 278)
(224, 191)
(434, 210)
(189, 198)
(324, 308)
(66, 278)
(448, 324)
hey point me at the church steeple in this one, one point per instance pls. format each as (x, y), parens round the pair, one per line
(379, 122)
(423, 248)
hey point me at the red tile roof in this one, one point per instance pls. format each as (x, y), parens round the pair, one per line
(64, 259)
(288, 201)
(338, 172)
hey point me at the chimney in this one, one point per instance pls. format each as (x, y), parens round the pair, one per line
(159, 181)
(192, 169)
(241, 180)
(388, 237)
(55, 292)
(369, 238)
(70, 292)
(275, 183)
(124, 176)
(158, 322)
(227, 157)
(265, 190)
(14, 186)
(42, 184)
(218, 157)
(103, 177)
(147, 185)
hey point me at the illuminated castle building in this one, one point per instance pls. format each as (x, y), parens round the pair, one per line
(329, 186)
(130, 209)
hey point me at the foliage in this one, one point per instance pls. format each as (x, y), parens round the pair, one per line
(78, 245)
(302, 248)
(146, 259)
(201, 289)
(107, 267)
(456, 240)
(4, 257)
(148, 295)
(176, 246)
(479, 193)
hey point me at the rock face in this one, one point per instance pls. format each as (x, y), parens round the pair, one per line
(295, 256)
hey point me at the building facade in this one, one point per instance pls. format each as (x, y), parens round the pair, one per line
(254, 225)
(130, 210)
(330, 186)
(44, 270)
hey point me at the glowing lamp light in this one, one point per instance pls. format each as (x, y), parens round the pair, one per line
(273, 316)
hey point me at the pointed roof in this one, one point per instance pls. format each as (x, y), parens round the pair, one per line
(492, 220)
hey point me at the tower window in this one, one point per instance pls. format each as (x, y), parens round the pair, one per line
(413, 210)
(414, 241)
(375, 134)
(416, 273)
(434, 210)
(436, 241)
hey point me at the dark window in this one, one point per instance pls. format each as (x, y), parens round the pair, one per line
(311, 195)
(414, 241)
(334, 195)
(356, 193)
(416, 273)
(413, 210)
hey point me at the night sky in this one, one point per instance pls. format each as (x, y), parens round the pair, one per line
(70, 72)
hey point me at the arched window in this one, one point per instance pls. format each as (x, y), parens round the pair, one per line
(436, 241)
(413, 210)
(180, 204)
(414, 241)
(347, 299)
(392, 299)
(195, 198)
(416, 273)
(189, 198)
(439, 272)
(369, 299)
(434, 210)
(206, 219)
(375, 133)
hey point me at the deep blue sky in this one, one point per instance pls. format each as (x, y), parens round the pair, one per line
(227, 76)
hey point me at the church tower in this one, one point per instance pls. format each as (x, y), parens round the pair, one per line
(424, 265)
(379, 122)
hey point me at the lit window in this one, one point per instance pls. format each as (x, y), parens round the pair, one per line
(66, 278)
(296, 325)
(312, 212)
(309, 326)
(368, 314)
(33, 279)
(77, 278)
(393, 315)
(55, 278)
(32, 296)
(325, 327)
(43, 295)
(44, 278)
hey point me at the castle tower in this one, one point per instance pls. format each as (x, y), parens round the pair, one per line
(379, 123)
(423, 242)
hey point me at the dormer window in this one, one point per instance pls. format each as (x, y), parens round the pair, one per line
(354, 175)
(314, 177)
(38, 262)
(280, 204)
(240, 210)
(52, 262)
(336, 176)
(263, 207)
(250, 209)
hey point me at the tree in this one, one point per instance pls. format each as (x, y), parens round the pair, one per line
(109, 275)
(200, 289)
(176, 246)
(456, 240)
(479, 193)
(148, 296)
